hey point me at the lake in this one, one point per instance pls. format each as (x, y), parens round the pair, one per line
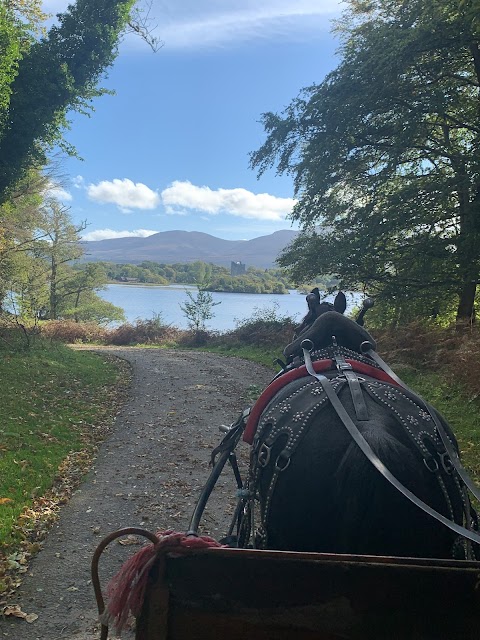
(142, 302)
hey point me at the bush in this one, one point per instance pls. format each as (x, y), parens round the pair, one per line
(265, 328)
(152, 331)
(68, 331)
(194, 338)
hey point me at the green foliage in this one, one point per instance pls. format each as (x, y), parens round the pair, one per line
(454, 401)
(11, 49)
(58, 73)
(385, 154)
(216, 278)
(402, 310)
(198, 309)
(19, 22)
(40, 246)
(92, 308)
(265, 328)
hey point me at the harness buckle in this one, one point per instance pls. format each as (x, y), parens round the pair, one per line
(264, 455)
(447, 463)
(285, 456)
(431, 463)
(341, 364)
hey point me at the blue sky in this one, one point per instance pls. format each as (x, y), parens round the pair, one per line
(170, 149)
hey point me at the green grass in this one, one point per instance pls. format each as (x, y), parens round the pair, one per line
(52, 399)
(265, 356)
(455, 403)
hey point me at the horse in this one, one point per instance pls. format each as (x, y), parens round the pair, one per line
(318, 484)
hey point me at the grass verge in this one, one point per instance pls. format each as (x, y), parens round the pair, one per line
(456, 404)
(265, 356)
(56, 405)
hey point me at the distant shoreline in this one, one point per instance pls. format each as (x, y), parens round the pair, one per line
(175, 285)
(184, 286)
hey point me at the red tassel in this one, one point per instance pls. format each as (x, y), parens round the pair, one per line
(126, 590)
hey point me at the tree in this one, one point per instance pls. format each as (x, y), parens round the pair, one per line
(385, 153)
(39, 272)
(41, 82)
(58, 245)
(87, 306)
(19, 220)
(19, 21)
(199, 309)
(77, 296)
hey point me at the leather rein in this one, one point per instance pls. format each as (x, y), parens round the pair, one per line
(327, 386)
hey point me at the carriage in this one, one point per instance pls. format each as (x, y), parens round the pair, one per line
(354, 520)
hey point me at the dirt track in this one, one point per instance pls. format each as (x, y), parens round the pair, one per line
(148, 473)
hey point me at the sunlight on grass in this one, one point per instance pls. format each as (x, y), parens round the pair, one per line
(48, 398)
(453, 402)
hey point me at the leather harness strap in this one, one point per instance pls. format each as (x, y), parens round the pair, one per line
(299, 372)
(374, 460)
(346, 369)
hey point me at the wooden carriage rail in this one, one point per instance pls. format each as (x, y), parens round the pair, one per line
(271, 595)
(274, 595)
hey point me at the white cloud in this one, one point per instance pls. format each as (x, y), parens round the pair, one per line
(236, 202)
(127, 195)
(191, 24)
(107, 234)
(78, 182)
(248, 23)
(57, 192)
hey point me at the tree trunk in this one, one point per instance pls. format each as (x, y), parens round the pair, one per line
(77, 300)
(53, 289)
(468, 244)
(466, 304)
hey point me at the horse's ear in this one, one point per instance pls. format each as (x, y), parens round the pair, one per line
(316, 292)
(340, 302)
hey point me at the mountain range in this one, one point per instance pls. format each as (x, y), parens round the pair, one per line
(170, 247)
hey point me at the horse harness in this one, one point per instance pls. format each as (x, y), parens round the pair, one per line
(297, 406)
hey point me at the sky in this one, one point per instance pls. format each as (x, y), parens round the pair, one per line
(170, 150)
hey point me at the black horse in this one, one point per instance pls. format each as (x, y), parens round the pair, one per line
(312, 488)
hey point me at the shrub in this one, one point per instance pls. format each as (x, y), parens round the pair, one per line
(68, 331)
(265, 328)
(152, 331)
(198, 310)
(199, 338)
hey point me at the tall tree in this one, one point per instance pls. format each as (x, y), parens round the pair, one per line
(20, 20)
(385, 153)
(58, 246)
(57, 73)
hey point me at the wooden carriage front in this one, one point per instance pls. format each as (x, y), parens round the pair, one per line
(248, 594)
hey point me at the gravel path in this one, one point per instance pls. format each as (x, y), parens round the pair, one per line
(148, 473)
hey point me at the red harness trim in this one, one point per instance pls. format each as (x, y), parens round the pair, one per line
(300, 372)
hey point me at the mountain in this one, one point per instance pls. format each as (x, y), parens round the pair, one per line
(169, 247)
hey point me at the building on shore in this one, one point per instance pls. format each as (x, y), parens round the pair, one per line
(237, 269)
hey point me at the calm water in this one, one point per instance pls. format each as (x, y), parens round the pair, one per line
(144, 302)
